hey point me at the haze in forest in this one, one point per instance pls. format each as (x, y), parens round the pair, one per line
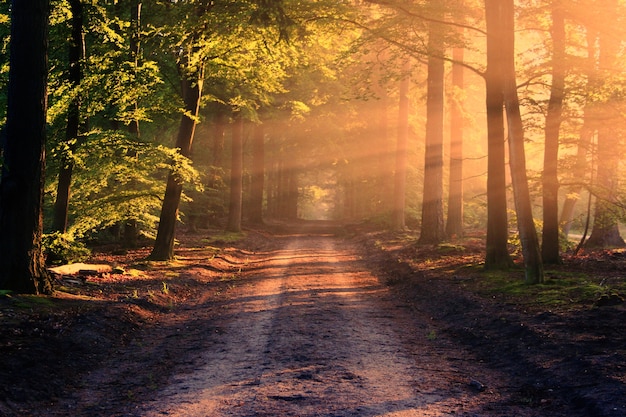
(428, 116)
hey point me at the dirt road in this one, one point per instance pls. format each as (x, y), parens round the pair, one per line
(303, 327)
(310, 332)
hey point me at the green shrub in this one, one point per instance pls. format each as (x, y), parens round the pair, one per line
(61, 248)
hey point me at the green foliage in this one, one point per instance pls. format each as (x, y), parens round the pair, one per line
(61, 248)
(559, 289)
(117, 178)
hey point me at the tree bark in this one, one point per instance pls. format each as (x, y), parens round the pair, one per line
(258, 175)
(236, 177)
(454, 223)
(533, 264)
(497, 254)
(72, 138)
(191, 91)
(550, 235)
(399, 193)
(22, 266)
(432, 230)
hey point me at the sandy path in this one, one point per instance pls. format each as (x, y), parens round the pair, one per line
(312, 335)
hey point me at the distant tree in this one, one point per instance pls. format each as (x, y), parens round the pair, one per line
(605, 232)
(454, 221)
(399, 194)
(236, 176)
(586, 136)
(257, 185)
(22, 267)
(432, 229)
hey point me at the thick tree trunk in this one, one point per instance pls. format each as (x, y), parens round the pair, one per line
(22, 267)
(399, 190)
(164, 245)
(454, 223)
(497, 254)
(236, 177)
(550, 235)
(432, 230)
(257, 185)
(533, 264)
(75, 55)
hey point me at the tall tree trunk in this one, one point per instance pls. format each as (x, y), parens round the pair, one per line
(585, 139)
(550, 235)
(22, 267)
(75, 55)
(605, 231)
(399, 193)
(432, 230)
(454, 223)
(258, 175)
(236, 177)
(191, 91)
(497, 254)
(533, 264)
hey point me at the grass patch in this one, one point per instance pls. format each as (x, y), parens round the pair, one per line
(560, 289)
(32, 301)
(450, 247)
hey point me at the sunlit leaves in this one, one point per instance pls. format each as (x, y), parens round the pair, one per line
(118, 178)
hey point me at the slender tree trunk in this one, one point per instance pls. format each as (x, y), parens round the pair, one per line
(236, 177)
(432, 230)
(585, 140)
(605, 232)
(76, 48)
(579, 172)
(292, 193)
(454, 224)
(22, 267)
(192, 91)
(399, 193)
(533, 264)
(258, 175)
(550, 236)
(497, 254)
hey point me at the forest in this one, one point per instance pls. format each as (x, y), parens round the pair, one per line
(279, 207)
(434, 116)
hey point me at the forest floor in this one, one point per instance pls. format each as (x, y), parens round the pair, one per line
(318, 319)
